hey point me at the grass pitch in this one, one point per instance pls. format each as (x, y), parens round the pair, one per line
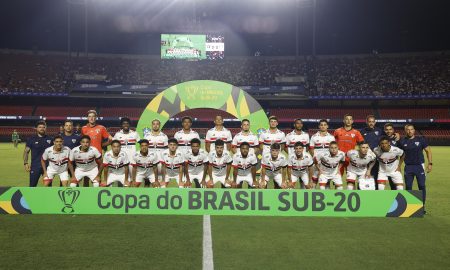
(175, 242)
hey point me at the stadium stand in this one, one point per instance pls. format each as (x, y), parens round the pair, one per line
(60, 111)
(16, 110)
(328, 113)
(416, 113)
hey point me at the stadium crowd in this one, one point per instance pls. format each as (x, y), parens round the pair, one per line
(369, 75)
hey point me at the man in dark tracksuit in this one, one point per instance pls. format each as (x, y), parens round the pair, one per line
(37, 145)
(372, 136)
(414, 159)
(393, 140)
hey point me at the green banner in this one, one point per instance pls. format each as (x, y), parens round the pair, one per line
(146, 201)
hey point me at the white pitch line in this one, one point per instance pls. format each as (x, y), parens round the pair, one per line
(208, 263)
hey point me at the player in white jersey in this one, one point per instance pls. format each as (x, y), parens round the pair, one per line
(87, 160)
(219, 166)
(329, 164)
(361, 162)
(300, 167)
(115, 165)
(145, 165)
(185, 135)
(390, 159)
(196, 165)
(172, 162)
(128, 139)
(58, 157)
(297, 135)
(271, 136)
(319, 144)
(245, 136)
(244, 167)
(158, 141)
(216, 133)
(273, 166)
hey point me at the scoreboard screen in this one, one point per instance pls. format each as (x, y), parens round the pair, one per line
(192, 47)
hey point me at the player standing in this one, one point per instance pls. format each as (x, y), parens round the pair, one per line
(245, 135)
(158, 141)
(115, 165)
(196, 165)
(219, 165)
(390, 159)
(145, 165)
(347, 138)
(360, 166)
(36, 144)
(15, 138)
(319, 144)
(71, 139)
(87, 160)
(297, 135)
(216, 133)
(185, 135)
(172, 165)
(57, 157)
(273, 166)
(271, 136)
(128, 139)
(244, 167)
(329, 165)
(300, 167)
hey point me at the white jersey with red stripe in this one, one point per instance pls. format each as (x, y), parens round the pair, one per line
(219, 164)
(241, 137)
(244, 164)
(196, 163)
(300, 165)
(128, 141)
(388, 160)
(273, 167)
(144, 163)
(328, 164)
(320, 143)
(213, 135)
(293, 137)
(172, 163)
(57, 160)
(157, 142)
(184, 139)
(268, 138)
(116, 164)
(357, 164)
(85, 161)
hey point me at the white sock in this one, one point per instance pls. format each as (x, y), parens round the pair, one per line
(381, 186)
(73, 184)
(340, 188)
(322, 187)
(95, 184)
(400, 187)
(350, 187)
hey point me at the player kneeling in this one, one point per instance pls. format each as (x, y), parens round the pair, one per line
(58, 157)
(360, 165)
(87, 160)
(300, 167)
(244, 167)
(172, 165)
(273, 166)
(196, 162)
(115, 165)
(329, 164)
(390, 159)
(145, 165)
(219, 166)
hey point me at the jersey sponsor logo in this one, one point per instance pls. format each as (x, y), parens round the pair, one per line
(417, 143)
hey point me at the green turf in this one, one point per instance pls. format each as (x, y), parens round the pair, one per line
(174, 242)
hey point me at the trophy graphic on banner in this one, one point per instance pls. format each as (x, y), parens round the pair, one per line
(68, 197)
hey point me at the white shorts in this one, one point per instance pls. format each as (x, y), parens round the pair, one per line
(396, 177)
(354, 176)
(315, 175)
(337, 179)
(63, 176)
(199, 177)
(141, 177)
(304, 177)
(247, 178)
(79, 174)
(277, 178)
(218, 178)
(176, 177)
(115, 178)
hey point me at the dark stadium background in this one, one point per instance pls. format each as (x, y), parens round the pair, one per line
(367, 59)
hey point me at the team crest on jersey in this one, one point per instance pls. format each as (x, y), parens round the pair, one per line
(74, 140)
(376, 133)
(49, 141)
(353, 135)
(417, 143)
(146, 131)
